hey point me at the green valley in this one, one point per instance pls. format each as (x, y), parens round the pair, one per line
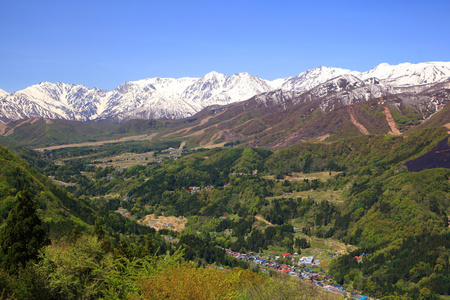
(332, 200)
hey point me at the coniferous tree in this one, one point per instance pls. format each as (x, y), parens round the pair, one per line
(23, 235)
(98, 229)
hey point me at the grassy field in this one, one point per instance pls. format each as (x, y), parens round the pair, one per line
(142, 137)
(126, 160)
(123, 160)
(318, 196)
(302, 176)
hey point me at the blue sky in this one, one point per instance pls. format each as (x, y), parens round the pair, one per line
(105, 43)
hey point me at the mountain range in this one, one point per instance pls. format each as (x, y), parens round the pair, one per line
(168, 98)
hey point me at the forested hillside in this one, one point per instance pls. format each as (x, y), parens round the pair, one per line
(56, 246)
(377, 228)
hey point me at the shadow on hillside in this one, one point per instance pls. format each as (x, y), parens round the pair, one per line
(438, 157)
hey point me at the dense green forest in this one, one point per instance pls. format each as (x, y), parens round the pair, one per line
(355, 191)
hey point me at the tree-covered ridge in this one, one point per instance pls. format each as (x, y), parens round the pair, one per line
(55, 205)
(59, 210)
(402, 221)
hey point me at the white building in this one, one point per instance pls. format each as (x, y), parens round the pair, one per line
(306, 260)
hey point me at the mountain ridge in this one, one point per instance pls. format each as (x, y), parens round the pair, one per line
(156, 98)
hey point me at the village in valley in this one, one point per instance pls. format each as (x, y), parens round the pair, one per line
(304, 268)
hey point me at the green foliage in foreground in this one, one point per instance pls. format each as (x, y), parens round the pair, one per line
(82, 269)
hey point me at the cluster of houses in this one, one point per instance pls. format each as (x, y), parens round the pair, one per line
(303, 270)
(272, 262)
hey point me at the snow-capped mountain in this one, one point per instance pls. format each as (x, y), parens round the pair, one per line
(311, 78)
(408, 74)
(183, 97)
(52, 100)
(3, 93)
(339, 91)
(178, 98)
(142, 99)
(215, 88)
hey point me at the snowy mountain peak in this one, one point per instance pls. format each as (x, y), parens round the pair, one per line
(311, 78)
(406, 74)
(326, 70)
(177, 98)
(214, 75)
(3, 93)
(382, 65)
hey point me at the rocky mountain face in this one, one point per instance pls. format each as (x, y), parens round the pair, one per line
(348, 89)
(344, 106)
(156, 98)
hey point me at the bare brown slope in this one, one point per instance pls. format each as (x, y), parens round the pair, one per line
(361, 128)
(391, 122)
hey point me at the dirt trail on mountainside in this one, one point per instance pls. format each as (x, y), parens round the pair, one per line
(202, 122)
(260, 218)
(20, 124)
(361, 128)
(391, 122)
(4, 126)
